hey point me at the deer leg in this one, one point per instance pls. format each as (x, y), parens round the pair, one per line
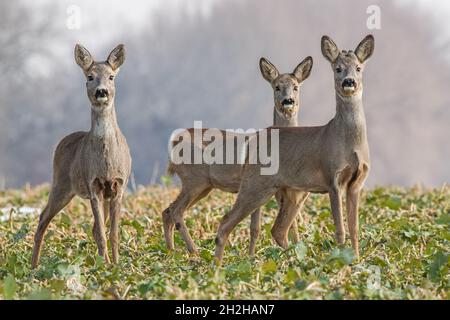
(168, 226)
(293, 230)
(292, 202)
(168, 215)
(115, 207)
(187, 198)
(58, 199)
(300, 198)
(255, 229)
(98, 230)
(352, 217)
(353, 194)
(283, 222)
(336, 210)
(106, 212)
(249, 199)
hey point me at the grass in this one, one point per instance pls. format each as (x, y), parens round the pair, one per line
(404, 243)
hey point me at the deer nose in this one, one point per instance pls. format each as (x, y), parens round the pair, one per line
(101, 93)
(349, 82)
(286, 102)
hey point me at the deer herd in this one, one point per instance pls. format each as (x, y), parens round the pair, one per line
(333, 159)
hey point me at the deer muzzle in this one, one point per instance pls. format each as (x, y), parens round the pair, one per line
(288, 103)
(101, 95)
(349, 85)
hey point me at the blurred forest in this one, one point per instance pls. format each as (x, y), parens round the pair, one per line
(205, 67)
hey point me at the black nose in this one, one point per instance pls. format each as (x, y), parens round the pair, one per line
(349, 82)
(288, 101)
(101, 93)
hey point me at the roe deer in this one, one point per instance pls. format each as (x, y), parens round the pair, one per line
(332, 159)
(199, 179)
(94, 165)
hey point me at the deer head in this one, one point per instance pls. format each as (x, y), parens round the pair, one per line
(286, 86)
(348, 66)
(100, 75)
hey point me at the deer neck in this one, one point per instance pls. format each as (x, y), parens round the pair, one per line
(280, 121)
(350, 120)
(104, 123)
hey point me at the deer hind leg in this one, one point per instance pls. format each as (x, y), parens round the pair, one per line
(106, 211)
(255, 230)
(115, 212)
(249, 199)
(169, 225)
(168, 216)
(96, 199)
(59, 197)
(187, 198)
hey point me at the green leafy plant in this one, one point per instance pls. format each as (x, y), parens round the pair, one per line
(404, 251)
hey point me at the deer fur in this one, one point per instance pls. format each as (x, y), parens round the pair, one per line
(197, 180)
(94, 165)
(332, 159)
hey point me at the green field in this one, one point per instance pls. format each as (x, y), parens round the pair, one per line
(404, 239)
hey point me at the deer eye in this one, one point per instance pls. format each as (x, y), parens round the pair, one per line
(295, 88)
(358, 69)
(90, 78)
(338, 69)
(111, 77)
(277, 88)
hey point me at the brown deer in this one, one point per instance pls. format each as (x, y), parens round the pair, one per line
(94, 165)
(199, 179)
(332, 159)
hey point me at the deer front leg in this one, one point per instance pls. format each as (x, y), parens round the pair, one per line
(336, 211)
(280, 195)
(249, 199)
(300, 198)
(286, 218)
(115, 212)
(283, 223)
(98, 231)
(353, 195)
(352, 217)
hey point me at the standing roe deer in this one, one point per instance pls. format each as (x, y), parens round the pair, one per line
(94, 165)
(332, 159)
(199, 179)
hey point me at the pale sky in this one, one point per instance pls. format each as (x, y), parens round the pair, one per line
(103, 21)
(114, 15)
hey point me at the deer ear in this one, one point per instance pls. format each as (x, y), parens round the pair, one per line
(82, 57)
(365, 48)
(303, 70)
(329, 49)
(268, 70)
(117, 56)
